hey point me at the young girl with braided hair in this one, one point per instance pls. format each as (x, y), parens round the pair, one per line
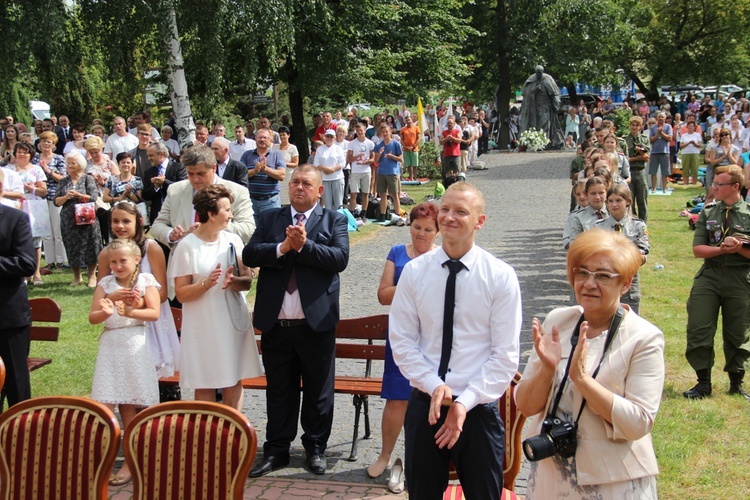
(124, 375)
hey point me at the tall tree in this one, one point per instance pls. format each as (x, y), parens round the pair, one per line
(375, 49)
(685, 41)
(46, 55)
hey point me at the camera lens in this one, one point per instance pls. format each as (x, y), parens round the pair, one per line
(538, 447)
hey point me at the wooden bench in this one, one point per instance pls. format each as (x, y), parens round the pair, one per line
(43, 310)
(354, 340)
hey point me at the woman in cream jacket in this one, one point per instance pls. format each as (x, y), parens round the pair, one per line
(614, 457)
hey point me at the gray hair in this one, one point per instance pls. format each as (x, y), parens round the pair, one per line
(78, 157)
(198, 155)
(221, 141)
(160, 147)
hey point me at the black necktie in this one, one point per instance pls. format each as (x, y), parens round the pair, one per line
(454, 267)
(291, 285)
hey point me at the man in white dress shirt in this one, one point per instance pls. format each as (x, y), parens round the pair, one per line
(241, 144)
(452, 413)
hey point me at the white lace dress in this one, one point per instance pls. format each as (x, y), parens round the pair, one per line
(214, 354)
(124, 371)
(161, 334)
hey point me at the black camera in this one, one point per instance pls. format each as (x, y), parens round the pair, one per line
(557, 437)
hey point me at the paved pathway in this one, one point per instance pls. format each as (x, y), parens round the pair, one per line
(527, 201)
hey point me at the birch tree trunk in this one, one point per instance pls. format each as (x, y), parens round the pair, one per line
(180, 99)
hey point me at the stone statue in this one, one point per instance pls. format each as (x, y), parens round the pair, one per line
(541, 100)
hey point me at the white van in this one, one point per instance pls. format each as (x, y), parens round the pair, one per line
(39, 110)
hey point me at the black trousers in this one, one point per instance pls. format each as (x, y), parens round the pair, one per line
(477, 455)
(14, 350)
(483, 144)
(288, 354)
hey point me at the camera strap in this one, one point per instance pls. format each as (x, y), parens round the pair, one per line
(613, 327)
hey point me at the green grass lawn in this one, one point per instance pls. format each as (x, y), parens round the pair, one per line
(700, 445)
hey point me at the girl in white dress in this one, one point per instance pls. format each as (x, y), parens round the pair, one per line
(126, 222)
(124, 374)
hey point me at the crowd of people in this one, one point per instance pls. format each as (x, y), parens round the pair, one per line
(593, 383)
(678, 131)
(350, 160)
(610, 191)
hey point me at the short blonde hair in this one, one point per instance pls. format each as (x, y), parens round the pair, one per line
(625, 256)
(466, 187)
(735, 173)
(48, 136)
(93, 142)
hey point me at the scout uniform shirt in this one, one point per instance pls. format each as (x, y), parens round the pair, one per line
(580, 221)
(715, 223)
(632, 142)
(635, 230)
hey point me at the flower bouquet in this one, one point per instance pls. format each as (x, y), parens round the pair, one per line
(533, 139)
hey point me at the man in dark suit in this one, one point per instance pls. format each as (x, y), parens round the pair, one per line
(301, 250)
(64, 134)
(157, 178)
(226, 167)
(17, 260)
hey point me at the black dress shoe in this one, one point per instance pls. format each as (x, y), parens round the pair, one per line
(269, 464)
(317, 463)
(699, 391)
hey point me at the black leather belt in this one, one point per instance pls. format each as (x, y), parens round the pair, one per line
(291, 323)
(262, 197)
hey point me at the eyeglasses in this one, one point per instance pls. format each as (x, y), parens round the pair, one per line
(601, 277)
(719, 184)
(723, 135)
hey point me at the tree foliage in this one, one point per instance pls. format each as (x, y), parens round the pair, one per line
(46, 55)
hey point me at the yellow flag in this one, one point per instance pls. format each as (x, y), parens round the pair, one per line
(421, 119)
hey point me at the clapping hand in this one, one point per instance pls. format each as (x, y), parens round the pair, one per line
(120, 294)
(547, 345)
(124, 309)
(134, 299)
(108, 307)
(228, 278)
(214, 276)
(578, 363)
(176, 234)
(297, 236)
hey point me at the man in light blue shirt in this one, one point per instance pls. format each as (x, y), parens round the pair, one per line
(659, 136)
(388, 155)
